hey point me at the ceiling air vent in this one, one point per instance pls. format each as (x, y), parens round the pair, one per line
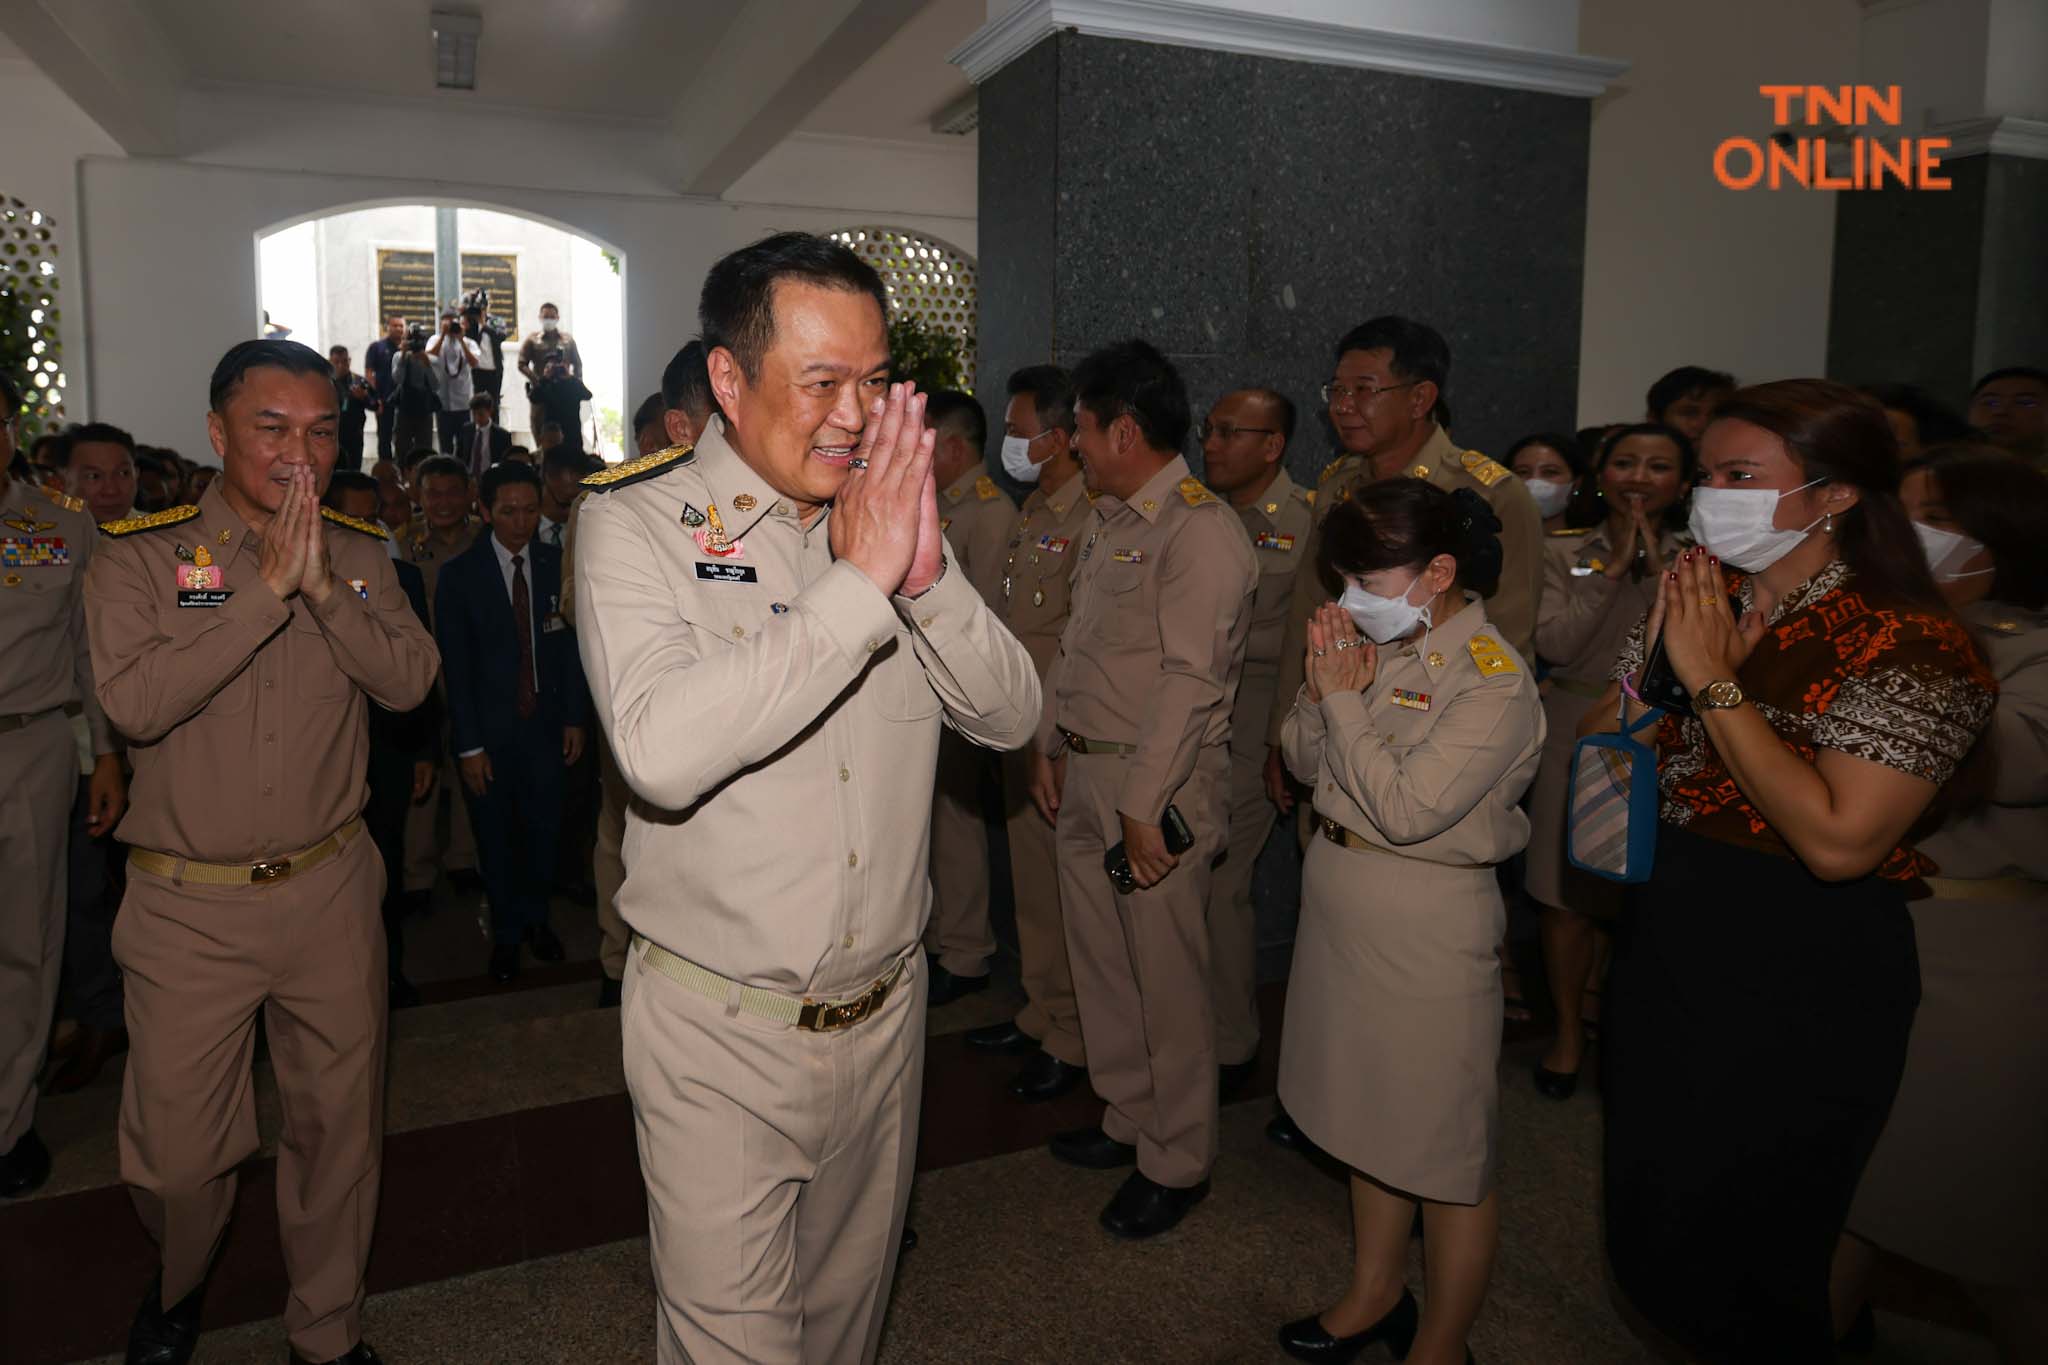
(959, 118)
(455, 40)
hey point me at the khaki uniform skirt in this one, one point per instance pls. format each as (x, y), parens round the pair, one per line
(1392, 1038)
(1549, 878)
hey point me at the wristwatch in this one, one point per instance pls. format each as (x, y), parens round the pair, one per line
(1718, 696)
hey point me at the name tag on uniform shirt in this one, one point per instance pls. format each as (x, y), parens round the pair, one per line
(1414, 701)
(1128, 556)
(1267, 540)
(204, 597)
(1054, 545)
(727, 573)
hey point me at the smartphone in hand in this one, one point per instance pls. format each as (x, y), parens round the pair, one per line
(1659, 684)
(1179, 839)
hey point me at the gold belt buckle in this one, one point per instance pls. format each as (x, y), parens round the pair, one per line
(822, 1018)
(270, 872)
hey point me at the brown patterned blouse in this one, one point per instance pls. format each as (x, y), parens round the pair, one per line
(1896, 686)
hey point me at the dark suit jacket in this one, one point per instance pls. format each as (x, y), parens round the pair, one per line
(465, 438)
(413, 732)
(480, 651)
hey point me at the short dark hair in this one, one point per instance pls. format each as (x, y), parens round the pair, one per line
(336, 349)
(503, 474)
(686, 383)
(483, 400)
(1282, 406)
(2011, 372)
(348, 481)
(1934, 421)
(1405, 523)
(736, 311)
(1132, 377)
(1420, 351)
(959, 413)
(2001, 503)
(293, 357)
(562, 458)
(1684, 382)
(1052, 394)
(650, 411)
(100, 433)
(544, 308)
(412, 459)
(442, 467)
(516, 449)
(1567, 447)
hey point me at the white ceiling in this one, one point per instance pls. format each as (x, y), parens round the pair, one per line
(895, 93)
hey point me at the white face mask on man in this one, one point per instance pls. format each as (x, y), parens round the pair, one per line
(1948, 551)
(1735, 525)
(548, 324)
(1384, 619)
(1017, 461)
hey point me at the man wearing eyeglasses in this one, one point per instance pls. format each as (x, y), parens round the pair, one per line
(1244, 446)
(2010, 407)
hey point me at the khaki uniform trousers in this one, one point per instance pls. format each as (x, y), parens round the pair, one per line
(778, 1165)
(959, 928)
(1050, 1013)
(1141, 970)
(1233, 920)
(608, 860)
(198, 962)
(424, 855)
(41, 763)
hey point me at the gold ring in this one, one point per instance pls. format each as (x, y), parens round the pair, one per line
(1706, 601)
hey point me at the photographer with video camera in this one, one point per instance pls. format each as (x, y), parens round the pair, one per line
(486, 331)
(558, 397)
(415, 398)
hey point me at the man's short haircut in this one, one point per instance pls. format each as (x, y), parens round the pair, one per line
(1684, 382)
(1052, 394)
(1934, 421)
(957, 412)
(686, 384)
(293, 357)
(99, 433)
(442, 467)
(544, 308)
(503, 474)
(483, 400)
(345, 481)
(737, 308)
(2011, 372)
(516, 449)
(649, 413)
(336, 349)
(1132, 378)
(1420, 351)
(562, 460)
(411, 460)
(1282, 407)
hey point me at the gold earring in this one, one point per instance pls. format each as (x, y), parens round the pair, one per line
(1830, 527)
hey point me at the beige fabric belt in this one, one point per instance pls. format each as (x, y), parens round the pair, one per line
(26, 719)
(242, 874)
(1096, 746)
(1986, 888)
(817, 1016)
(1593, 691)
(1346, 838)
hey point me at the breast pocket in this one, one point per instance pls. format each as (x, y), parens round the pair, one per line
(903, 692)
(1125, 611)
(310, 660)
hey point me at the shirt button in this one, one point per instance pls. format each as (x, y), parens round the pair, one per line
(1329, 786)
(853, 860)
(847, 942)
(269, 683)
(270, 739)
(925, 622)
(874, 645)
(739, 632)
(844, 775)
(266, 789)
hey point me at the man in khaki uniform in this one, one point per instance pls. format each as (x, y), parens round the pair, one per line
(975, 516)
(1244, 444)
(774, 636)
(235, 643)
(445, 529)
(46, 542)
(1137, 723)
(1043, 546)
(1390, 373)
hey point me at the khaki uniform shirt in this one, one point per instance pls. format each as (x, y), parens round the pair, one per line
(975, 516)
(2008, 836)
(245, 718)
(782, 715)
(1038, 567)
(1278, 524)
(1584, 616)
(1151, 657)
(1512, 608)
(46, 543)
(428, 550)
(1431, 760)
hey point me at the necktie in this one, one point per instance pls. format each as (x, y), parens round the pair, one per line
(522, 621)
(479, 459)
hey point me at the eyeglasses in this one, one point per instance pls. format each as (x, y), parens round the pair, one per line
(1224, 431)
(1336, 391)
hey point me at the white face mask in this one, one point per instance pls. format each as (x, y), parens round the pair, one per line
(1735, 525)
(1551, 495)
(1948, 551)
(550, 324)
(1017, 461)
(1383, 619)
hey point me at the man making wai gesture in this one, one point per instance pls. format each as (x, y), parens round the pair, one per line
(773, 638)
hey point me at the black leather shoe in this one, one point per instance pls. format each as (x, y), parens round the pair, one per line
(25, 1167)
(1308, 1339)
(946, 987)
(1145, 1208)
(160, 1335)
(504, 962)
(1092, 1148)
(401, 994)
(1282, 1131)
(358, 1354)
(1005, 1038)
(1046, 1077)
(1233, 1077)
(909, 1237)
(546, 947)
(1557, 1085)
(608, 994)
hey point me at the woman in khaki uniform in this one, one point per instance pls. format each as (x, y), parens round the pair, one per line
(1598, 581)
(1960, 1175)
(1419, 737)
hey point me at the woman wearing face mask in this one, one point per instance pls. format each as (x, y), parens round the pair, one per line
(1418, 730)
(1764, 979)
(1960, 1177)
(1549, 466)
(1597, 583)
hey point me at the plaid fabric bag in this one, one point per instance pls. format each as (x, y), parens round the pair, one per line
(1612, 828)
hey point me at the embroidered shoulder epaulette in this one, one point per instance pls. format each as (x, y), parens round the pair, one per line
(1308, 495)
(633, 471)
(368, 528)
(985, 488)
(1195, 492)
(2002, 627)
(1489, 656)
(67, 502)
(1565, 531)
(1329, 469)
(128, 526)
(1481, 468)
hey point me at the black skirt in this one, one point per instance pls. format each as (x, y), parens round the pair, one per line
(1756, 1030)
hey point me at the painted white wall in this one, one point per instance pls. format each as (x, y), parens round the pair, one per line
(1679, 270)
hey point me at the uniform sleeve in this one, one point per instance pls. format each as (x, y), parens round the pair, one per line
(982, 673)
(1206, 582)
(1512, 608)
(102, 734)
(569, 562)
(1916, 706)
(1308, 595)
(1423, 791)
(1301, 737)
(681, 720)
(1571, 608)
(149, 675)
(377, 640)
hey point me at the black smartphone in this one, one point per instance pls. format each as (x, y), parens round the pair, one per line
(1179, 839)
(1659, 684)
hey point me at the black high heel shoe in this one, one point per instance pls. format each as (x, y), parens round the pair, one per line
(1308, 1339)
(1557, 1085)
